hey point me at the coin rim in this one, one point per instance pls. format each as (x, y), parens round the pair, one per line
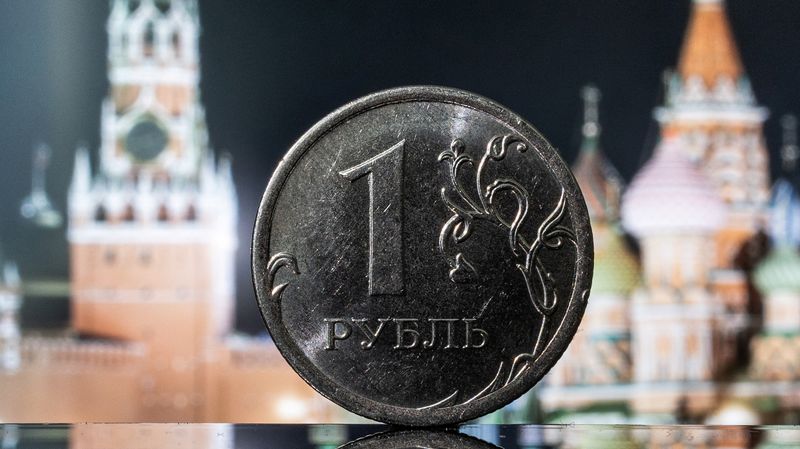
(340, 394)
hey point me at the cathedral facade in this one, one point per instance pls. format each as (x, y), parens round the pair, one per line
(701, 322)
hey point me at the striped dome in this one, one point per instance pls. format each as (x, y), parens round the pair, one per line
(616, 270)
(670, 195)
(779, 271)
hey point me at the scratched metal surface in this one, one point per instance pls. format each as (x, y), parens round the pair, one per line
(422, 256)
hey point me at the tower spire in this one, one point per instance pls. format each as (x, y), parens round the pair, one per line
(81, 172)
(709, 51)
(599, 181)
(789, 151)
(591, 117)
(37, 206)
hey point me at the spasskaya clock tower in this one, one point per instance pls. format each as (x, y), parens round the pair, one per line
(152, 230)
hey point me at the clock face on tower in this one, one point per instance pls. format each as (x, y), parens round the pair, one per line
(146, 140)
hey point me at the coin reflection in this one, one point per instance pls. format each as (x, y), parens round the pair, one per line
(418, 439)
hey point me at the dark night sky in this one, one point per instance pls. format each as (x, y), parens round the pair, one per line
(272, 69)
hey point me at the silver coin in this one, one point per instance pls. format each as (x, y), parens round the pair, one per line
(418, 439)
(422, 256)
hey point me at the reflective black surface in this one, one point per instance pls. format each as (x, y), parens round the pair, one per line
(229, 436)
(403, 439)
(422, 256)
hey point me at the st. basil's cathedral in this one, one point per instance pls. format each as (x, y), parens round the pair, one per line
(702, 323)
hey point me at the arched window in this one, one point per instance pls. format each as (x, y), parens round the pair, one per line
(149, 39)
(163, 214)
(100, 214)
(176, 44)
(129, 214)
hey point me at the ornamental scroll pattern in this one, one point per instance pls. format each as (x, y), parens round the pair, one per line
(483, 206)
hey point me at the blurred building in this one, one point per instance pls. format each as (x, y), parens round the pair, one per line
(776, 349)
(600, 353)
(152, 234)
(10, 329)
(701, 317)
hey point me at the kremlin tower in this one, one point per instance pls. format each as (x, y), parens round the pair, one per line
(152, 235)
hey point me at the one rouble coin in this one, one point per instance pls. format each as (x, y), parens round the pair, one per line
(422, 256)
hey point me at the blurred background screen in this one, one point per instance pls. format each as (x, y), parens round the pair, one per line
(139, 135)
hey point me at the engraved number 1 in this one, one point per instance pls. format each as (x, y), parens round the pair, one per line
(385, 175)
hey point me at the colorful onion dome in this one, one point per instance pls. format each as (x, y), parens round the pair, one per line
(598, 179)
(779, 271)
(670, 195)
(600, 184)
(616, 270)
